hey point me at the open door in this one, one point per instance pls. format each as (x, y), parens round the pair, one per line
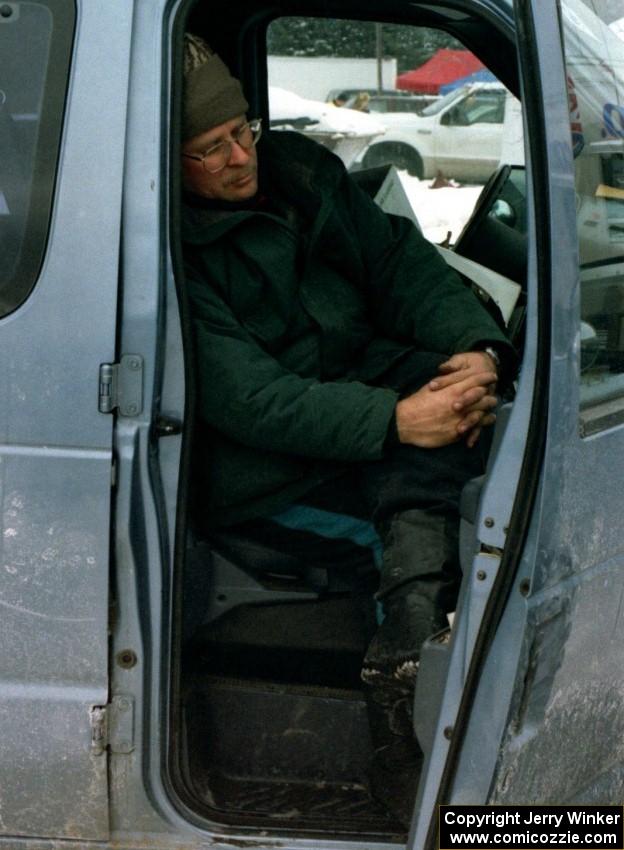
(571, 666)
(536, 714)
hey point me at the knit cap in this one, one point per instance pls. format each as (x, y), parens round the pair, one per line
(211, 94)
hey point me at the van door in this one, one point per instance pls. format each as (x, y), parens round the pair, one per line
(541, 719)
(563, 742)
(62, 119)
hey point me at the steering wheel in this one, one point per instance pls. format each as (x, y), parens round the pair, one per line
(485, 202)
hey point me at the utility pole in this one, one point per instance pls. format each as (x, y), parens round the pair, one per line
(379, 52)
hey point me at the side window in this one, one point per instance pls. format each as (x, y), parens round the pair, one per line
(487, 109)
(380, 94)
(595, 69)
(35, 44)
(480, 107)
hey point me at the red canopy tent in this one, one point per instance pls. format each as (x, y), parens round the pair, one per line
(444, 66)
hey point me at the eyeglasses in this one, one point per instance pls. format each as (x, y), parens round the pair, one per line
(217, 157)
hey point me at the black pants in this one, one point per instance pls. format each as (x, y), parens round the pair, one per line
(341, 523)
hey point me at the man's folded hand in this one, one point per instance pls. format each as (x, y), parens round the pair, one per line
(437, 416)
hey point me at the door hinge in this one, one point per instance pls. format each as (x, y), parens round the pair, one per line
(121, 386)
(112, 726)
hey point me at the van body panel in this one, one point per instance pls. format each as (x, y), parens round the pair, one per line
(56, 468)
(147, 446)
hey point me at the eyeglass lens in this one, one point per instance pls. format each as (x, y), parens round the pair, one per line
(218, 157)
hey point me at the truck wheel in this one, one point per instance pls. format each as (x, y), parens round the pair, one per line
(394, 153)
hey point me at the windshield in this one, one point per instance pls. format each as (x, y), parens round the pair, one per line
(443, 102)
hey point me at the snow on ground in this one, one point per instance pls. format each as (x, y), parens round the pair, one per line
(618, 28)
(440, 210)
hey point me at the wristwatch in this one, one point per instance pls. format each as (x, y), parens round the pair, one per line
(494, 355)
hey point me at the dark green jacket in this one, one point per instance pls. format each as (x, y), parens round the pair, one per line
(296, 313)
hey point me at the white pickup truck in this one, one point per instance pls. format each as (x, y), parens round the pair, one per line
(464, 135)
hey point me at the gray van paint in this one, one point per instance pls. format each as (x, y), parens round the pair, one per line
(55, 469)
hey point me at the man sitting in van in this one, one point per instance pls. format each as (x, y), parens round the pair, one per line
(345, 374)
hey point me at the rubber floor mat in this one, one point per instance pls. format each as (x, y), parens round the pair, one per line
(309, 805)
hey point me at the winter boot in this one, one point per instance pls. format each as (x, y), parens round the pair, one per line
(419, 579)
(418, 587)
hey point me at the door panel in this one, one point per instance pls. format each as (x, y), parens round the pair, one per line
(546, 718)
(55, 464)
(54, 581)
(569, 685)
(541, 715)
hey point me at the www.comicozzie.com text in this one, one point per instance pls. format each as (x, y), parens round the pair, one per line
(531, 827)
(531, 818)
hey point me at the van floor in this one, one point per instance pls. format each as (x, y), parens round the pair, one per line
(276, 724)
